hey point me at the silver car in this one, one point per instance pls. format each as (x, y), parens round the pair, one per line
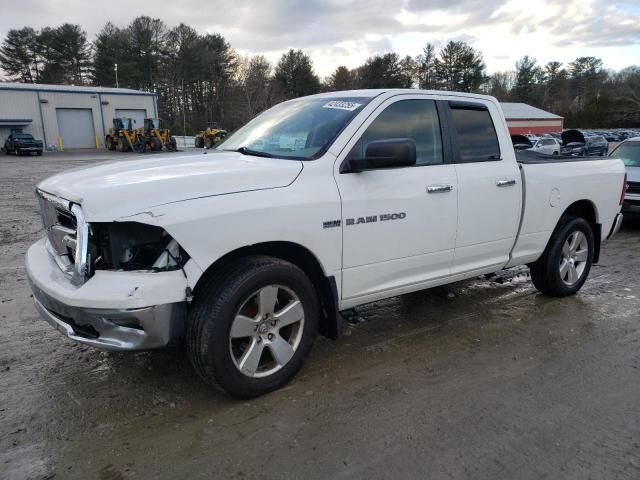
(629, 152)
(548, 146)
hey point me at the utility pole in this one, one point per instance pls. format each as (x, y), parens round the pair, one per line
(184, 120)
(115, 68)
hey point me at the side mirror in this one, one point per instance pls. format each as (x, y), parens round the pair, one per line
(389, 153)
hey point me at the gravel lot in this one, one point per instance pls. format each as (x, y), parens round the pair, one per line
(479, 380)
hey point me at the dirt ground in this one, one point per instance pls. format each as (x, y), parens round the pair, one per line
(479, 380)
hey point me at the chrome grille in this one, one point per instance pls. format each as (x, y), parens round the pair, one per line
(67, 235)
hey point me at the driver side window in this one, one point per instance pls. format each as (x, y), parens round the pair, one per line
(413, 119)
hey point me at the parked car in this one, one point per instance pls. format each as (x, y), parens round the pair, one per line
(578, 143)
(611, 137)
(548, 146)
(318, 205)
(22, 143)
(629, 152)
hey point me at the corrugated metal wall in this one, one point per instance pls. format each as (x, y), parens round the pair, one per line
(22, 105)
(30, 104)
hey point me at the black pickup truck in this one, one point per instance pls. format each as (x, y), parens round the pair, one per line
(22, 143)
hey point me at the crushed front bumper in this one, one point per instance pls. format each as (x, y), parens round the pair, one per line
(113, 310)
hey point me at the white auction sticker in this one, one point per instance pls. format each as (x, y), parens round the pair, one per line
(350, 106)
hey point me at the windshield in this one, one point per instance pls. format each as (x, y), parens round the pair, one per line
(299, 129)
(629, 153)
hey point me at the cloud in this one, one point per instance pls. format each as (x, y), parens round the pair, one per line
(337, 32)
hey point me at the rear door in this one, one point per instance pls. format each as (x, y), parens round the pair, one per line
(489, 188)
(399, 224)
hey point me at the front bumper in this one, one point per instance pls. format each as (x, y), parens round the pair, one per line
(112, 310)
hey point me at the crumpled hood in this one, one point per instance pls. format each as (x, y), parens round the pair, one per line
(111, 190)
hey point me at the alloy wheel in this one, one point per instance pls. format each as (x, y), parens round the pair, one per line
(266, 331)
(573, 259)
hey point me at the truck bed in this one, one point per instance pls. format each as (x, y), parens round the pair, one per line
(528, 157)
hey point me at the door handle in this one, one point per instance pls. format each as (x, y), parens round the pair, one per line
(506, 183)
(442, 188)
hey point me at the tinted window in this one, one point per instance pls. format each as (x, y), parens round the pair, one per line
(414, 119)
(476, 136)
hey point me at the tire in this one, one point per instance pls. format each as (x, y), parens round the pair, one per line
(172, 146)
(109, 143)
(209, 142)
(198, 142)
(39, 153)
(122, 145)
(556, 153)
(140, 146)
(218, 358)
(156, 144)
(548, 273)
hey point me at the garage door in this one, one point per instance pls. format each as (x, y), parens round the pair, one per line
(137, 115)
(75, 126)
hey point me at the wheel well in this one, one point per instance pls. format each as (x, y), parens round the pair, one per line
(585, 209)
(300, 256)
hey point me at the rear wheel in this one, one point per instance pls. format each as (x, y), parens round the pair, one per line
(566, 262)
(250, 329)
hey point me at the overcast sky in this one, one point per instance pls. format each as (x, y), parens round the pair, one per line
(346, 32)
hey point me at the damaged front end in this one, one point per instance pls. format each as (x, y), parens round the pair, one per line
(115, 285)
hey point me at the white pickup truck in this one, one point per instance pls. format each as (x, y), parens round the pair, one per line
(317, 205)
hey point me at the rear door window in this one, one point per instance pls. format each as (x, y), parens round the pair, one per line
(476, 137)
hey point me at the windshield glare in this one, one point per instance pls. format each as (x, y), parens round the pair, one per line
(629, 153)
(299, 129)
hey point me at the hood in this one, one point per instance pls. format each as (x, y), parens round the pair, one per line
(572, 136)
(520, 142)
(114, 189)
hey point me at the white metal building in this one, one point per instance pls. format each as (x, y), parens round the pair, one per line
(522, 118)
(67, 117)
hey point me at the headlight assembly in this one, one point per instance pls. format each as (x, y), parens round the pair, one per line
(134, 246)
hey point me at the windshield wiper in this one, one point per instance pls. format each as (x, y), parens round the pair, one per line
(254, 153)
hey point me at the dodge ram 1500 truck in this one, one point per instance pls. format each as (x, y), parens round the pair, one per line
(317, 205)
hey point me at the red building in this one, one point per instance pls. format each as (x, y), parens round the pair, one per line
(523, 118)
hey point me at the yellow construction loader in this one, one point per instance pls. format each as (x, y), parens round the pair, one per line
(124, 138)
(210, 137)
(155, 137)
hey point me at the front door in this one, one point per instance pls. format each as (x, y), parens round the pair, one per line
(398, 224)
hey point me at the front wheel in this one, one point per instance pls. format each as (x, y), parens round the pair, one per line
(172, 145)
(250, 329)
(565, 264)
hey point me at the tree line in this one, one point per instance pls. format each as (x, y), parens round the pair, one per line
(201, 78)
